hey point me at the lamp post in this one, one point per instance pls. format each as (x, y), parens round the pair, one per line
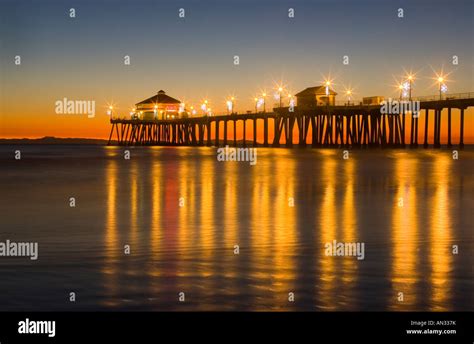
(264, 95)
(440, 81)
(400, 87)
(280, 89)
(256, 104)
(410, 83)
(348, 93)
(327, 83)
(230, 106)
(291, 103)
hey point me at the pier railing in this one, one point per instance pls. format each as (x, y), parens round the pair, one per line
(342, 103)
(452, 96)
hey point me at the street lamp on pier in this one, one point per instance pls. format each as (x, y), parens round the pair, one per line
(410, 78)
(349, 94)
(280, 90)
(440, 82)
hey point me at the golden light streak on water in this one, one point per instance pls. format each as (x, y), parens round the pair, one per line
(327, 217)
(207, 225)
(230, 230)
(349, 271)
(405, 234)
(156, 234)
(262, 260)
(284, 209)
(109, 269)
(133, 180)
(440, 255)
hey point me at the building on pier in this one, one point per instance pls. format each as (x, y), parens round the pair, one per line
(159, 106)
(316, 96)
(373, 100)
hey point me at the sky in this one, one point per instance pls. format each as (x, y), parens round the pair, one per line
(192, 58)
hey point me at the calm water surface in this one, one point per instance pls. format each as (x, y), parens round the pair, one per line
(190, 248)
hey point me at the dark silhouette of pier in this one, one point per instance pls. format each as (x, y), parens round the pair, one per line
(331, 126)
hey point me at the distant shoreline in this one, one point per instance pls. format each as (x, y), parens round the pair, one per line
(50, 140)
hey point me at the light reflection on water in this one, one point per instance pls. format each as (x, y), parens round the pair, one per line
(405, 234)
(441, 237)
(183, 213)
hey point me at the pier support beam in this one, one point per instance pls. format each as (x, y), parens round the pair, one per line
(290, 121)
(225, 132)
(427, 116)
(437, 133)
(208, 130)
(235, 133)
(403, 128)
(111, 132)
(416, 132)
(276, 132)
(265, 132)
(201, 134)
(449, 128)
(255, 132)
(314, 132)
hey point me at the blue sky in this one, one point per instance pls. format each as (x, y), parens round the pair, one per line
(192, 58)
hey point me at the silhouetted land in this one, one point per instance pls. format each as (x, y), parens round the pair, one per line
(51, 140)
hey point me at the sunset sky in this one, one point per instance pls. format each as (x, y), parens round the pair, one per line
(191, 58)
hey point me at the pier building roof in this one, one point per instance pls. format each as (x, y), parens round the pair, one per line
(160, 98)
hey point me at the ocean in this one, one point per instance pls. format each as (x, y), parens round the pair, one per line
(174, 229)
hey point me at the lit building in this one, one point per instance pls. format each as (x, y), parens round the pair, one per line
(316, 96)
(160, 106)
(374, 100)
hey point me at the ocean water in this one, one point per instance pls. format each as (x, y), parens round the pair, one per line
(182, 213)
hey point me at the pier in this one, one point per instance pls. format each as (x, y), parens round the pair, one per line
(319, 126)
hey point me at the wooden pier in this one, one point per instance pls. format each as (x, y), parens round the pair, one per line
(320, 126)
